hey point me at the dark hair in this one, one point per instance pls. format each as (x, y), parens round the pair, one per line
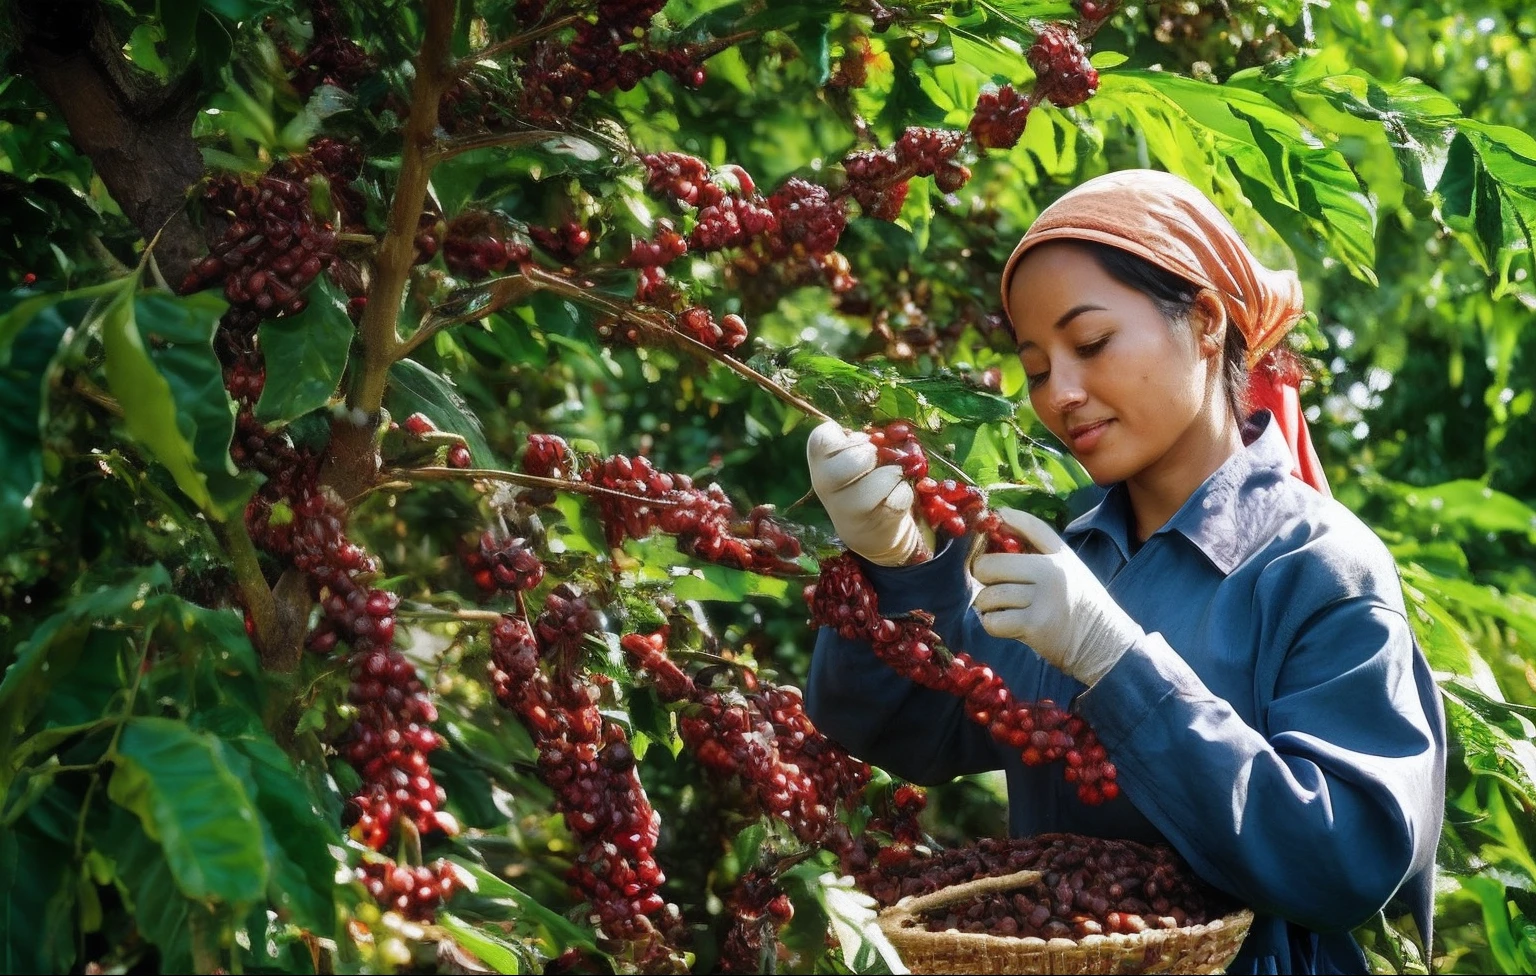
(1174, 296)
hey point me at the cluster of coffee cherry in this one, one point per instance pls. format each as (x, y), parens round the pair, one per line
(1042, 732)
(332, 57)
(1063, 75)
(601, 54)
(758, 909)
(949, 507)
(759, 737)
(1087, 886)
(474, 244)
(787, 768)
(1000, 117)
(879, 178)
(505, 563)
(703, 520)
(272, 249)
(415, 892)
(304, 526)
(589, 764)
(418, 425)
(293, 519)
(566, 243)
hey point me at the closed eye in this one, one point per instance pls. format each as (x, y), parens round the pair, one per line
(1091, 349)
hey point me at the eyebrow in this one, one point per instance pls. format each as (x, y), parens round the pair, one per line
(1068, 316)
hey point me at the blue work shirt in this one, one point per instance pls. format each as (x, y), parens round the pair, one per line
(1277, 724)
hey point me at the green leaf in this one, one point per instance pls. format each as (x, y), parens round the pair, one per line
(495, 953)
(149, 405)
(852, 914)
(295, 835)
(179, 785)
(963, 402)
(37, 874)
(305, 355)
(415, 388)
(917, 211)
(561, 931)
(1304, 190)
(1489, 750)
(160, 911)
(26, 369)
(810, 36)
(50, 652)
(180, 330)
(726, 584)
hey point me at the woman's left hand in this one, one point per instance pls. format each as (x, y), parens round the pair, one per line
(1051, 601)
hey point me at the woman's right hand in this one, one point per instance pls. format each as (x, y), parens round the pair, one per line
(870, 504)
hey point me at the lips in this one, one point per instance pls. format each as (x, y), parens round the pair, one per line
(1084, 437)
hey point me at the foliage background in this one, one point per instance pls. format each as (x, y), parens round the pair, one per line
(1380, 148)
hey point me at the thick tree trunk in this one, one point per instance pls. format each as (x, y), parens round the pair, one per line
(137, 133)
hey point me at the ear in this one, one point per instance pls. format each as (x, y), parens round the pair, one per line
(1208, 320)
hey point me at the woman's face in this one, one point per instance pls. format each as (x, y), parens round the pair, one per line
(1113, 379)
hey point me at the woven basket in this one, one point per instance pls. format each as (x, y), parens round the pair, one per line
(1192, 949)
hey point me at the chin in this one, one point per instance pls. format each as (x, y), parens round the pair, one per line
(1104, 471)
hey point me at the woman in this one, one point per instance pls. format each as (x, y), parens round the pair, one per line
(1237, 638)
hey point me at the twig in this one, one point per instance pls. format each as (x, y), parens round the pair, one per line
(236, 540)
(464, 144)
(571, 290)
(445, 616)
(493, 51)
(398, 248)
(499, 293)
(518, 478)
(959, 472)
(83, 386)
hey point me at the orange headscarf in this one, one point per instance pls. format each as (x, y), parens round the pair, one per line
(1167, 220)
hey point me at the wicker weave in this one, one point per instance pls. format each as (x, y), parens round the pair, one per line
(1192, 949)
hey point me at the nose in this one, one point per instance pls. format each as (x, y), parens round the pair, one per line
(1066, 390)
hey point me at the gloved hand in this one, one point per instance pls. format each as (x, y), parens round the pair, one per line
(870, 503)
(1051, 601)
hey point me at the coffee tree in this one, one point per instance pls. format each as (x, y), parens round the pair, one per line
(406, 558)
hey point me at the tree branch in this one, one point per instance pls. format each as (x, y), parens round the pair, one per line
(528, 480)
(136, 132)
(493, 51)
(352, 458)
(485, 140)
(656, 326)
(466, 305)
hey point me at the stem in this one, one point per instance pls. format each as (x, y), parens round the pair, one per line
(499, 292)
(959, 473)
(90, 391)
(464, 144)
(253, 585)
(518, 478)
(356, 499)
(571, 290)
(398, 249)
(117, 735)
(516, 41)
(447, 616)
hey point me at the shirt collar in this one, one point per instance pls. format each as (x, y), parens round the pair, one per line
(1210, 518)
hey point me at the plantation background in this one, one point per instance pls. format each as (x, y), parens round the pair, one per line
(174, 790)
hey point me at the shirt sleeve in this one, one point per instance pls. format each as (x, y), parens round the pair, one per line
(1323, 815)
(917, 733)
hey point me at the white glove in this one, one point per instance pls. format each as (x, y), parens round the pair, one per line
(1051, 601)
(870, 503)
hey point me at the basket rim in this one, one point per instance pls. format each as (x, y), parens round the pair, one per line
(1130, 940)
(898, 922)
